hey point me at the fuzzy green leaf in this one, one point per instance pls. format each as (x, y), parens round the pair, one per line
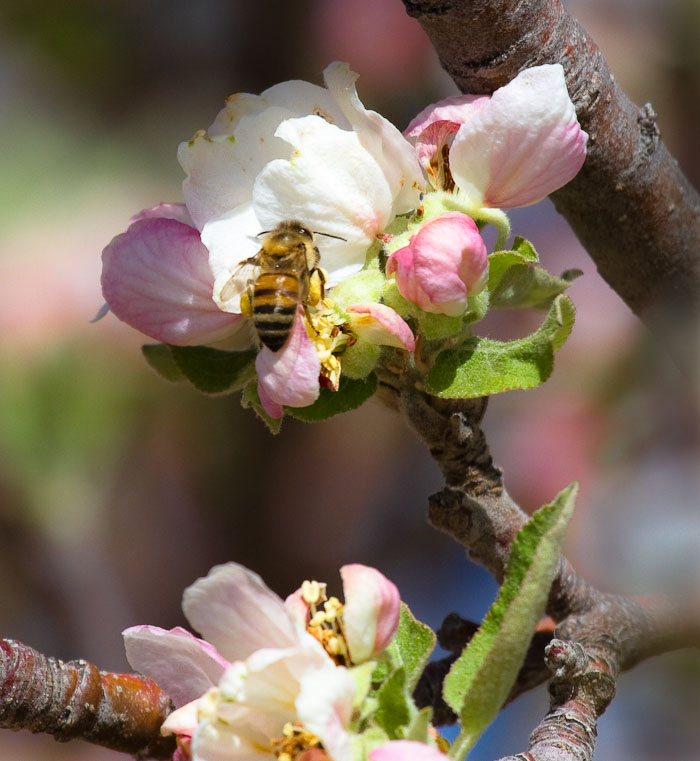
(516, 282)
(523, 247)
(250, 398)
(393, 711)
(160, 358)
(482, 366)
(214, 371)
(412, 646)
(419, 726)
(481, 678)
(351, 394)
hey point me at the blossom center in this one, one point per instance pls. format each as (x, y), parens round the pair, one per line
(327, 338)
(326, 621)
(294, 741)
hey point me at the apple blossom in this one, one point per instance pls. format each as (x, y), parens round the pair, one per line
(268, 672)
(444, 262)
(508, 150)
(296, 151)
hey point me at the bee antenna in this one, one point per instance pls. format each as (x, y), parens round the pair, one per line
(328, 235)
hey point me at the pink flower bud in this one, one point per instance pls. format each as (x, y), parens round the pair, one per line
(372, 606)
(380, 324)
(444, 262)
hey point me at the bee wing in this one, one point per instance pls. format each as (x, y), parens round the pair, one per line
(228, 290)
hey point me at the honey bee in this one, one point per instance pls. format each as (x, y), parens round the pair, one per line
(285, 275)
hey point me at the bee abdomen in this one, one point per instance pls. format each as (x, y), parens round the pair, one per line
(275, 301)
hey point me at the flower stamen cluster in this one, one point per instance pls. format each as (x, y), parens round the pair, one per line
(294, 741)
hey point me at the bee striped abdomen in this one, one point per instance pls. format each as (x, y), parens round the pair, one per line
(275, 300)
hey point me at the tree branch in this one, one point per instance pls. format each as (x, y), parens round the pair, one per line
(630, 206)
(598, 635)
(76, 700)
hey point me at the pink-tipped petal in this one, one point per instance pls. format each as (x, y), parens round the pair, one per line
(406, 750)
(183, 721)
(156, 278)
(290, 376)
(183, 665)
(522, 145)
(273, 409)
(380, 324)
(456, 110)
(298, 607)
(443, 264)
(234, 609)
(372, 606)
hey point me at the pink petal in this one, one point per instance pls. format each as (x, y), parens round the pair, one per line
(380, 324)
(156, 278)
(521, 146)
(444, 262)
(176, 211)
(456, 110)
(372, 606)
(406, 750)
(298, 607)
(274, 410)
(290, 375)
(183, 665)
(235, 611)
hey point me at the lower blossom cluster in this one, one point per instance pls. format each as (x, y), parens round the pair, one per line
(271, 677)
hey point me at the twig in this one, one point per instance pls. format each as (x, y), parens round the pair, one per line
(598, 635)
(76, 700)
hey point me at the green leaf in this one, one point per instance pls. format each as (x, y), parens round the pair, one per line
(419, 726)
(250, 398)
(351, 394)
(481, 678)
(516, 282)
(412, 646)
(482, 366)
(393, 711)
(212, 370)
(523, 247)
(160, 358)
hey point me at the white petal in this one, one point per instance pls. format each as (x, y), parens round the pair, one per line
(304, 98)
(269, 681)
(332, 185)
(184, 666)
(234, 610)
(231, 239)
(380, 137)
(221, 169)
(237, 106)
(324, 706)
(215, 741)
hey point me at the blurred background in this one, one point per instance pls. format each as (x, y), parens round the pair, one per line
(117, 489)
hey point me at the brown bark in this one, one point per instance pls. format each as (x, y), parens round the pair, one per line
(76, 700)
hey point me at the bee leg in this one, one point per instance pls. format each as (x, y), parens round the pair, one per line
(317, 283)
(246, 304)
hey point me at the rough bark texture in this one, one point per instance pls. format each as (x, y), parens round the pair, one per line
(76, 700)
(631, 206)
